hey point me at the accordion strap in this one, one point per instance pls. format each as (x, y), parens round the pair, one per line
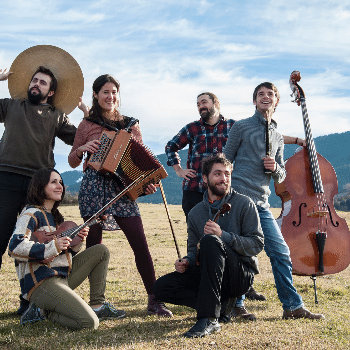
(130, 122)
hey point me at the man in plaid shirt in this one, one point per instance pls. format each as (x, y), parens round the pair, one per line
(205, 137)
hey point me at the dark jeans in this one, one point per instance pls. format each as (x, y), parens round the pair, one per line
(220, 275)
(189, 200)
(13, 196)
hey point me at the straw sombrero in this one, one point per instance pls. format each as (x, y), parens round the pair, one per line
(70, 80)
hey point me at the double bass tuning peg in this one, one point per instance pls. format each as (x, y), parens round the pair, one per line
(295, 98)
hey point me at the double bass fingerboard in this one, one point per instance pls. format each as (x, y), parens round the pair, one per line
(315, 169)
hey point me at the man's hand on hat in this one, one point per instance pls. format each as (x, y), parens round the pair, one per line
(4, 75)
(82, 106)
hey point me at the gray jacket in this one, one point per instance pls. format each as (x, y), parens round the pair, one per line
(241, 229)
(246, 146)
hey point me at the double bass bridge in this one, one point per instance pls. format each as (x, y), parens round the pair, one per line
(317, 214)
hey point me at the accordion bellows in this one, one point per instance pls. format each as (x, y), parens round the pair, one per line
(128, 159)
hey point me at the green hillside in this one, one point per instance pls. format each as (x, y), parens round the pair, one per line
(335, 148)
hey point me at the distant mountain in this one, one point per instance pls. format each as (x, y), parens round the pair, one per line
(335, 148)
(72, 180)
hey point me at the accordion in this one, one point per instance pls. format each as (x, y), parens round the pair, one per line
(127, 159)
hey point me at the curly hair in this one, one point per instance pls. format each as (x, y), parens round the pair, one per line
(208, 163)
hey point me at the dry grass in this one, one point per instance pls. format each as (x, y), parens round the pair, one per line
(138, 331)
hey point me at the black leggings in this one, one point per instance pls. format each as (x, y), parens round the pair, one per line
(133, 230)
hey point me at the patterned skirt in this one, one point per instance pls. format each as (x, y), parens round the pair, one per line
(96, 191)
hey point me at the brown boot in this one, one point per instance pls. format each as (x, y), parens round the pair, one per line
(253, 295)
(241, 312)
(301, 313)
(156, 307)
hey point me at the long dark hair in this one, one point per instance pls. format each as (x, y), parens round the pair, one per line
(96, 113)
(36, 192)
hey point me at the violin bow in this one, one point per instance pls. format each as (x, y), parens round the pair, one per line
(169, 218)
(104, 208)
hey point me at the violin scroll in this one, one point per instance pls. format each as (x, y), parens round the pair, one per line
(224, 209)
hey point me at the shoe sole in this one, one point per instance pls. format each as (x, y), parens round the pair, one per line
(111, 317)
(201, 335)
(150, 313)
(31, 321)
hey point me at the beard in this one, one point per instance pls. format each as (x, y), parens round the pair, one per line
(220, 192)
(35, 99)
(206, 113)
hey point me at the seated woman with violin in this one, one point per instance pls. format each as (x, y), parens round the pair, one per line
(49, 272)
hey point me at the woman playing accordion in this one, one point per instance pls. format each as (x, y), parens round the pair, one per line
(97, 189)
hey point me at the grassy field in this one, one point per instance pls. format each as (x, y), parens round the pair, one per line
(139, 331)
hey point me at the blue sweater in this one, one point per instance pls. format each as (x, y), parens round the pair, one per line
(246, 146)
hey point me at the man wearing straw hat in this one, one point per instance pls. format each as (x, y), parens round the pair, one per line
(45, 84)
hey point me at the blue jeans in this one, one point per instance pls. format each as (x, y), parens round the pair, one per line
(277, 250)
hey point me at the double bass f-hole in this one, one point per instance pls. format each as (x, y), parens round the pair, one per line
(325, 205)
(295, 224)
(336, 224)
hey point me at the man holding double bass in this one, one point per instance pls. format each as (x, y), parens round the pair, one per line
(37, 113)
(247, 149)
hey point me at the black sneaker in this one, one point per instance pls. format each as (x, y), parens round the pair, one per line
(204, 326)
(31, 315)
(109, 312)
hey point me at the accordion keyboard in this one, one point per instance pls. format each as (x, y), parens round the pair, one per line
(103, 149)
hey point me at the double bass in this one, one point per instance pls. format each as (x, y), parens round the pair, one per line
(318, 239)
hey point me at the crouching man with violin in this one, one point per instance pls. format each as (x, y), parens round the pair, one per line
(49, 271)
(224, 238)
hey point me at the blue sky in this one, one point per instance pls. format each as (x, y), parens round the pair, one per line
(165, 52)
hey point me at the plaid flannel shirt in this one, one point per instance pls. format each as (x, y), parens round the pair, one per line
(203, 140)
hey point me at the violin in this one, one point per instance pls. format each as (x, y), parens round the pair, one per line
(70, 229)
(224, 209)
(318, 239)
(66, 229)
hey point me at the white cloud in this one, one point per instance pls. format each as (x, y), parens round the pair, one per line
(165, 52)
